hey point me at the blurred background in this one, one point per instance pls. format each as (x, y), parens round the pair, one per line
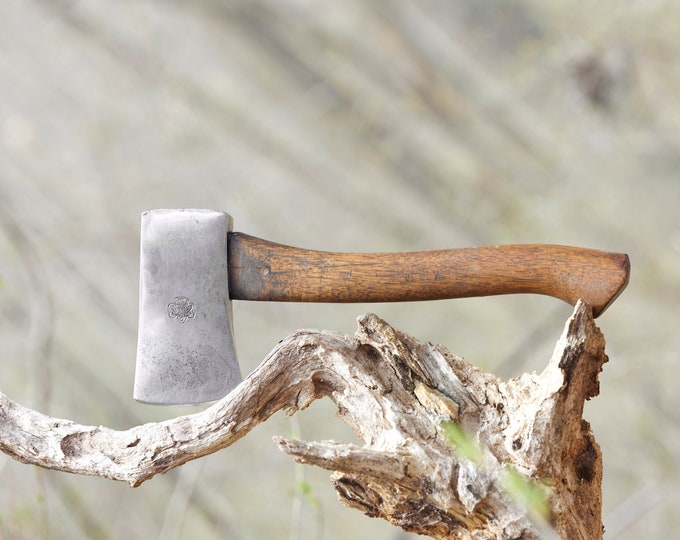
(348, 126)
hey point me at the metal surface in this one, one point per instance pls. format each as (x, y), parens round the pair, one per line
(185, 350)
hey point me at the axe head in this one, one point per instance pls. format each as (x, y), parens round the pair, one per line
(185, 349)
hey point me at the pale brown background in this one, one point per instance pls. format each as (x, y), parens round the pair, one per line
(352, 126)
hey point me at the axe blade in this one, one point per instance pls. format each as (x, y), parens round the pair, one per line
(185, 349)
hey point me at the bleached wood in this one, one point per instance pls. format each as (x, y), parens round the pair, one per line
(397, 393)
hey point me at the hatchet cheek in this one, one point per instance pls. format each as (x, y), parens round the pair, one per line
(185, 350)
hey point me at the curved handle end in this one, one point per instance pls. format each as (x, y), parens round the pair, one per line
(616, 283)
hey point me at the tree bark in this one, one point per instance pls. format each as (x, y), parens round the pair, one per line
(450, 450)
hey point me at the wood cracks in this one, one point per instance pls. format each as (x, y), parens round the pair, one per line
(450, 451)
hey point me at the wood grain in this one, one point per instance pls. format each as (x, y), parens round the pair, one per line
(401, 396)
(266, 271)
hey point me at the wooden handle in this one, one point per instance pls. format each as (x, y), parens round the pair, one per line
(262, 270)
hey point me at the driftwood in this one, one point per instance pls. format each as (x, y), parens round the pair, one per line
(450, 451)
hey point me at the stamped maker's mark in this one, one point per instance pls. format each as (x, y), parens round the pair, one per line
(182, 309)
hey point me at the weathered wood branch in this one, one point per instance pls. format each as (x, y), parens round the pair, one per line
(450, 451)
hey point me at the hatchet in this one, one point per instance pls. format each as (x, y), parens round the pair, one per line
(193, 265)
